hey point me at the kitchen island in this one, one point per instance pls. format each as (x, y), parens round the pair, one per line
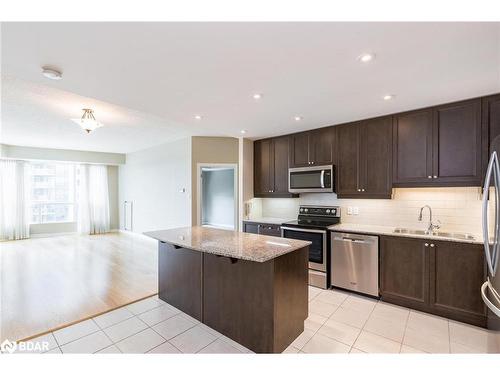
(249, 287)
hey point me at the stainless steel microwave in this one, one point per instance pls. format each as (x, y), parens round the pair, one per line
(317, 179)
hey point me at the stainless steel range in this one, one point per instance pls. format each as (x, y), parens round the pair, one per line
(312, 225)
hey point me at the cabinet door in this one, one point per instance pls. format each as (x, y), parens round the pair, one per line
(376, 158)
(299, 150)
(412, 148)
(457, 144)
(179, 278)
(262, 167)
(490, 126)
(457, 271)
(270, 230)
(251, 228)
(404, 271)
(347, 167)
(321, 146)
(280, 166)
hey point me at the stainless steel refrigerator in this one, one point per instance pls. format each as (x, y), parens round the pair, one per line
(490, 290)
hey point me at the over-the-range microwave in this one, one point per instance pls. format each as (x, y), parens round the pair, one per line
(317, 179)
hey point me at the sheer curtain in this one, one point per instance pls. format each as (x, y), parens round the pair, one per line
(93, 199)
(14, 204)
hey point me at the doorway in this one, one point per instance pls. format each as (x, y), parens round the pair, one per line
(217, 197)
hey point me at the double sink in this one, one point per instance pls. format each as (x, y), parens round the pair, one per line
(459, 236)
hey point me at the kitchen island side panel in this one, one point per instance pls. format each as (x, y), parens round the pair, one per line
(180, 278)
(291, 295)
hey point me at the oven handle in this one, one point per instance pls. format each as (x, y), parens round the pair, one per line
(304, 230)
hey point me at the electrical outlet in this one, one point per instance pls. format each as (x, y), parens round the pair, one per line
(349, 210)
(355, 210)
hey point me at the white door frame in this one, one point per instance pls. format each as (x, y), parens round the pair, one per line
(199, 205)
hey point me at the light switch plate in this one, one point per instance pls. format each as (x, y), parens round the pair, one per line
(349, 210)
(355, 210)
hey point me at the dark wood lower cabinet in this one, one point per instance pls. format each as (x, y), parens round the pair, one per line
(178, 266)
(404, 272)
(439, 277)
(457, 271)
(261, 305)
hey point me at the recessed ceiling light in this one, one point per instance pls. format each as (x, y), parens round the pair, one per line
(243, 131)
(197, 117)
(298, 118)
(257, 96)
(52, 74)
(366, 57)
(388, 97)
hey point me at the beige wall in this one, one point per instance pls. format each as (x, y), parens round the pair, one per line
(209, 150)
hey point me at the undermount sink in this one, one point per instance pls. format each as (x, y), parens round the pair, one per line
(461, 236)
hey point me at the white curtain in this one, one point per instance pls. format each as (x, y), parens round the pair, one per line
(14, 203)
(93, 199)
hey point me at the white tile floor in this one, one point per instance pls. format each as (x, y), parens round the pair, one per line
(338, 322)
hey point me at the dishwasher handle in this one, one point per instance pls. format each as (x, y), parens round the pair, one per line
(351, 238)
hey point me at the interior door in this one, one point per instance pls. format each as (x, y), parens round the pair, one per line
(457, 150)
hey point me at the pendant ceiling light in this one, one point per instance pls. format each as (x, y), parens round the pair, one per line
(88, 121)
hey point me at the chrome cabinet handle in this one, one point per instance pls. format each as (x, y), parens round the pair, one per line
(434, 176)
(362, 189)
(359, 189)
(429, 176)
(426, 244)
(432, 245)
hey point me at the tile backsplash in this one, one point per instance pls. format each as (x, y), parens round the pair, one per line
(458, 209)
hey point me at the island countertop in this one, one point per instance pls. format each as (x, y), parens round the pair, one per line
(239, 245)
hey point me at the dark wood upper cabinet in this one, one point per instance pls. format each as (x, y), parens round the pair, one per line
(271, 167)
(299, 150)
(439, 146)
(321, 143)
(312, 148)
(457, 144)
(262, 167)
(376, 157)
(412, 148)
(364, 159)
(490, 125)
(348, 160)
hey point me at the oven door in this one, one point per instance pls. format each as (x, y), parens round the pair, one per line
(317, 250)
(311, 179)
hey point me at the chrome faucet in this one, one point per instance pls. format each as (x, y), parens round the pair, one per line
(432, 226)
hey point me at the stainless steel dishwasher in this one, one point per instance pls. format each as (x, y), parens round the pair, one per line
(354, 262)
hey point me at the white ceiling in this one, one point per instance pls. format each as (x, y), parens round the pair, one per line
(146, 81)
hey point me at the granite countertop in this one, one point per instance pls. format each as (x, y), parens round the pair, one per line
(239, 245)
(268, 220)
(389, 231)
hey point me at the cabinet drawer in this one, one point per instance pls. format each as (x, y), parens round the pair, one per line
(270, 230)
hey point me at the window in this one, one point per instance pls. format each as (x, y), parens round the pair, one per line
(52, 188)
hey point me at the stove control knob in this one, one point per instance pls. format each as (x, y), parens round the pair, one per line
(301, 210)
(305, 210)
(328, 211)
